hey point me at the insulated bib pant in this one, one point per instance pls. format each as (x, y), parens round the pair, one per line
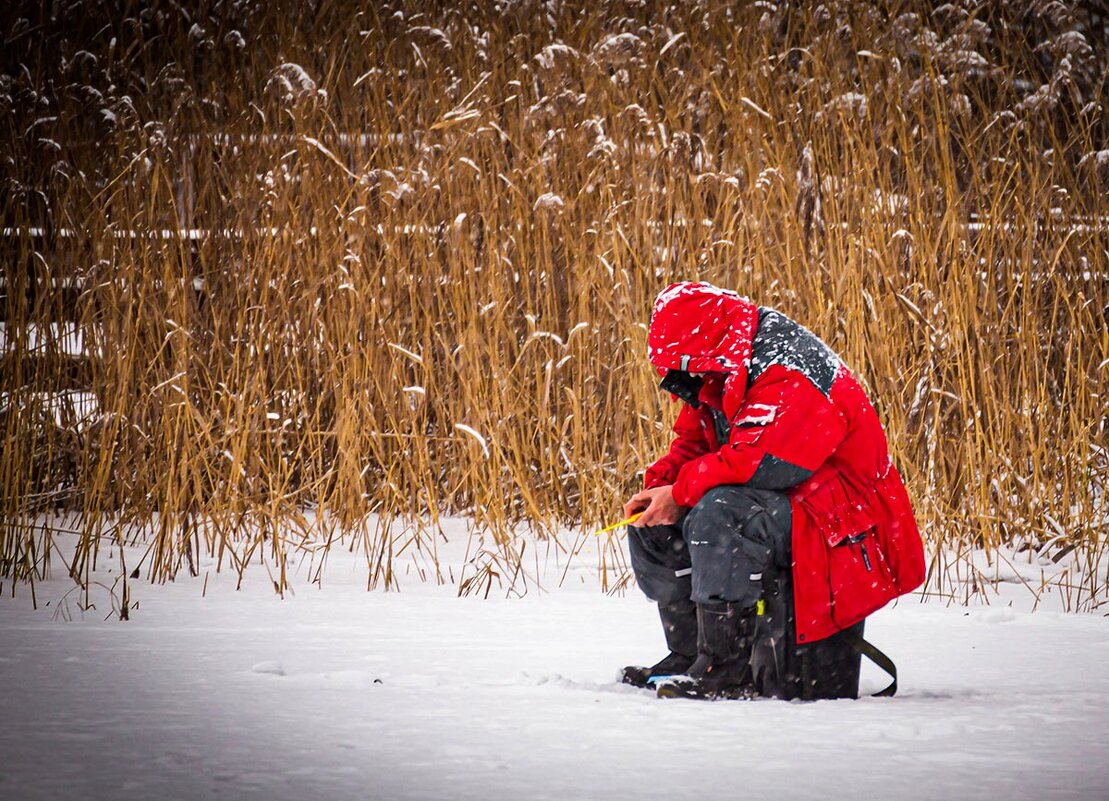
(718, 552)
(734, 546)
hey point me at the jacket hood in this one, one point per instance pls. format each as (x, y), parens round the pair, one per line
(698, 327)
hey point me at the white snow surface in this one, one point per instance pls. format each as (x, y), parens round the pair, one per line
(338, 693)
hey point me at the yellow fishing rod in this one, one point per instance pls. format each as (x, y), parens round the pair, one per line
(627, 521)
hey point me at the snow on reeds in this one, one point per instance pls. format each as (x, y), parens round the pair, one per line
(297, 247)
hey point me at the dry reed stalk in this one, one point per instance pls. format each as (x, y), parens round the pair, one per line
(399, 262)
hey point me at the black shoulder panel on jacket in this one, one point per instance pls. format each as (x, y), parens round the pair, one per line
(777, 474)
(780, 340)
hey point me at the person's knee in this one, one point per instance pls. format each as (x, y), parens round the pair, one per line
(734, 533)
(731, 507)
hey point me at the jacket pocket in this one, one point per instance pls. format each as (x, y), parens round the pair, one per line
(836, 510)
(859, 577)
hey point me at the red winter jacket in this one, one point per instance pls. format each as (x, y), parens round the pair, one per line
(778, 410)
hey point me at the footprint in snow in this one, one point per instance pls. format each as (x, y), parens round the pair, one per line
(269, 668)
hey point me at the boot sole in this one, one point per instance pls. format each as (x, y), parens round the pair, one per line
(649, 680)
(650, 683)
(669, 689)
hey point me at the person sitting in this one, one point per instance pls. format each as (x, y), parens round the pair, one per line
(778, 481)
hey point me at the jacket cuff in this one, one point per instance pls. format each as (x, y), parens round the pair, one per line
(685, 492)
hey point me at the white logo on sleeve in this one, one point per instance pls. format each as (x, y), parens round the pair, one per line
(757, 414)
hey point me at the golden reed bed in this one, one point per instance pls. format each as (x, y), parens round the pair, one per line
(276, 278)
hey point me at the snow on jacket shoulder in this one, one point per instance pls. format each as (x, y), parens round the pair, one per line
(780, 411)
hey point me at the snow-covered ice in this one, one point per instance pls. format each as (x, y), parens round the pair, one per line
(338, 693)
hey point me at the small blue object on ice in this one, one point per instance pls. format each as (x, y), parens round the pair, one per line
(657, 679)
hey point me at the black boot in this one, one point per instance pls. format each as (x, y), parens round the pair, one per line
(679, 623)
(722, 668)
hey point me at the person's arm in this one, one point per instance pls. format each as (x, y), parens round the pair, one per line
(784, 429)
(689, 443)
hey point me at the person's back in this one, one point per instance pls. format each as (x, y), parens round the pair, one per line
(863, 452)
